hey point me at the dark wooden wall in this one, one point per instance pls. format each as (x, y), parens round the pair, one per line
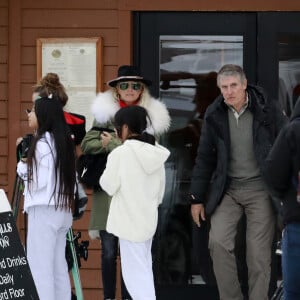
(3, 92)
(22, 22)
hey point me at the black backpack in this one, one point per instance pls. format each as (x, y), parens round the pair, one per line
(91, 166)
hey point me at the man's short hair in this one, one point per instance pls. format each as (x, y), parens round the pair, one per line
(231, 70)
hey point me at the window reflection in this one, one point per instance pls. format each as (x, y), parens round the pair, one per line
(183, 59)
(289, 70)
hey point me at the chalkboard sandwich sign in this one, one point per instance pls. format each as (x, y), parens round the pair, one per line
(16, 280)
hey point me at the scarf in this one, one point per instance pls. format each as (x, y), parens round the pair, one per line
(123, 104)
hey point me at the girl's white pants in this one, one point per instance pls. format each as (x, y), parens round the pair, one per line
(46, 243)
(136, 262)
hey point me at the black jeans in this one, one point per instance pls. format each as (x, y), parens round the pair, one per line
(110, 246)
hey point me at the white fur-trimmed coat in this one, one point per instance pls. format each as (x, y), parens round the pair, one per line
(105, 106)
(103, 110)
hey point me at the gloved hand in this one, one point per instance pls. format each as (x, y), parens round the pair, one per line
(25, 145)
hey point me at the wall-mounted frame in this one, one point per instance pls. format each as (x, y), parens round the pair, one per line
(79, 65)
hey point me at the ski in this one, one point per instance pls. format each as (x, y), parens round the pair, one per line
(72, 243)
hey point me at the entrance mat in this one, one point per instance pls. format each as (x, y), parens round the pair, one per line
(186, 292)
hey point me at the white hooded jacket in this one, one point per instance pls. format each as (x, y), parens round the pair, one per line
(135, 178)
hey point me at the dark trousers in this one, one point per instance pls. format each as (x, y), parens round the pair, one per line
(110, 246)
(291, 261)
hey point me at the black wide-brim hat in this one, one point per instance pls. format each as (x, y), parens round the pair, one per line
(129, 73)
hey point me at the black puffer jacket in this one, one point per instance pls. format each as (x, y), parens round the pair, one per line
(283, 165)
(209, 180)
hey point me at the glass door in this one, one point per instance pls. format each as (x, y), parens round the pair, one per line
(288, 46)
(188, 71)
(279, 54)
(181, 53)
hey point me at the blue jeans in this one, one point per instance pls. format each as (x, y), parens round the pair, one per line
(291, 261)
(110, 247)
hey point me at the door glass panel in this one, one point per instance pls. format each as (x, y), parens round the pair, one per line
(289, 70)
(188, 69)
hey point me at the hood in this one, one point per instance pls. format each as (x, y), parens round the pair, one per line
(158, 113)
(296, 110)
(150, 157)
(257, 93)
(105, 107)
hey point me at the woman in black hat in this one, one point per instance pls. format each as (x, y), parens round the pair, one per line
(129, 88)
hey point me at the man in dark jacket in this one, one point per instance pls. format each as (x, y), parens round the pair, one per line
(282, 175)
(239, 129)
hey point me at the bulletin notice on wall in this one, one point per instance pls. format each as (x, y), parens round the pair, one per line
(16, 280)
(75, 63)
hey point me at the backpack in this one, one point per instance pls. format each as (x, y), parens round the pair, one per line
(91, 166)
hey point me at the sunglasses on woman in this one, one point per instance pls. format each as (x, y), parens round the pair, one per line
(136, 86)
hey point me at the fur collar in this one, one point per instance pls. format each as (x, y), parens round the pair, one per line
(105, 106)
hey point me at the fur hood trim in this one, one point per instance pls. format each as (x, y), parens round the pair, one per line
(105, 106)
(159, 115)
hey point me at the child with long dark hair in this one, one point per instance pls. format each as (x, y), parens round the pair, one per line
(49, 176)
(135, 178)
(51, 84)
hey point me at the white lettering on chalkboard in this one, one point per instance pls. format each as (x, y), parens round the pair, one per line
(16, 293)
(15, 262)
(7, 279)
(4, 242)
(5, 228)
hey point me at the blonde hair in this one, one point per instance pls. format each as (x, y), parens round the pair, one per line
(144, 94)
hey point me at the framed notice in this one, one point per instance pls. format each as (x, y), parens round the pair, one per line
(78, 63)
